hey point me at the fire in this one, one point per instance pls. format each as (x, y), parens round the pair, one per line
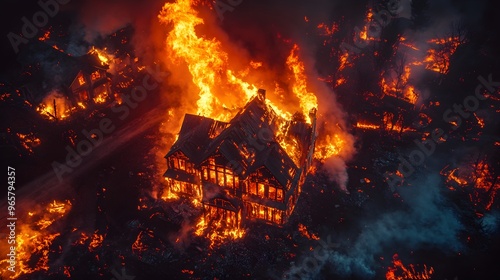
(401, 272)
(101, 98)
(34, 239)
(95, 241)
(331, 146)
(327, 30)
(438, 58)
(29, 141)
(453, 177)
(45, 36)
(167, 194)
(304, 232)
(397, 86)
(404, 42)
(255, 64)
(55, 106)
(363, 34)
(480, 121)
(479, 178)
(308, 100)
(103, 56)
(344, 61)
(367, 126)
(216, 232)
(221, 91)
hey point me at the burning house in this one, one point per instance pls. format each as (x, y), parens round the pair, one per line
(238, 170)
(69, 82)
(91, 84)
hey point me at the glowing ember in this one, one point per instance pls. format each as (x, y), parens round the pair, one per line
(328, 30)
(95, 241)
(478, 176)
(401, 272)
(34, 239)
(397, 85)
(303, 230)
(221, 93)
(45, 36)
(367, 126)
(29, 141)
(363, 34)
(438, 58)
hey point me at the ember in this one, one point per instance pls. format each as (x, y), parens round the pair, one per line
(401, 272)
(34, 240)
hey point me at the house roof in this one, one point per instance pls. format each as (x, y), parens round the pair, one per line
(244, 141)
(195, 136)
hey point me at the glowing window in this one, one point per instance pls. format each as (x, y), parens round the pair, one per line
(253, 188)
(261, 191)
(272, 192)
(220, 178)
(81, 80)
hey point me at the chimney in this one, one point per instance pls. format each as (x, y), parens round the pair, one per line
(312, 114)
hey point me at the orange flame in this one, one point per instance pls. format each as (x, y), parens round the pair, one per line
(401, 272)
(55, 106)
(308, 100)
(34, 239)
(438, 58)
(304, 232)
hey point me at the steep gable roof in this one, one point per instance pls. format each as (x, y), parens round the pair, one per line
(240, 141)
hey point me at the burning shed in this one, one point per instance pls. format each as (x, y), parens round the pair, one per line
(248, 170)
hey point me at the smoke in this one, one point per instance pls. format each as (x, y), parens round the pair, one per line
(425, 222)
(491, 222)
(337, 171)
(99, 19)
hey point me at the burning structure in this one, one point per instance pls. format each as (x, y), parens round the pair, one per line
(238, 170)
(70, 82)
